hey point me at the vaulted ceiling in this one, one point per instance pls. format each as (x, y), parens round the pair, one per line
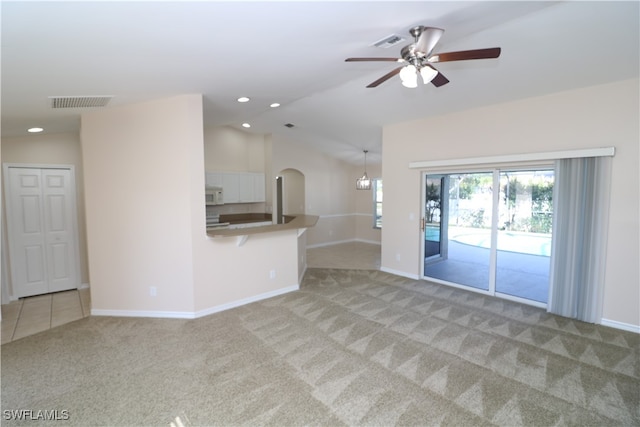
(293, 53)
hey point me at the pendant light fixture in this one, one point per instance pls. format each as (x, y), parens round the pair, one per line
(364, 183)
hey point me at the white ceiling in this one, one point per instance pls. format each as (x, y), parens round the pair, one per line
(293, 53)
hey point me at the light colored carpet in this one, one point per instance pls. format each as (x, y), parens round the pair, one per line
(350, 348)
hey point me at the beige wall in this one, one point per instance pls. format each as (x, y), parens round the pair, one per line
(56, 149)
(599, 116)
(139, 182)
(230, 150)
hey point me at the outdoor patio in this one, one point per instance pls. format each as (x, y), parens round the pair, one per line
(520, 274)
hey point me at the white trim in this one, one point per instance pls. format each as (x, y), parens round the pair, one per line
(338, 242)
(248, 300)
(514, 158)
(340, 215)
(620, 325)
(333, 242)
(84, 286)
(197, 314)
(334, 215)
(371, 242)
(144, 313)
(400, 273)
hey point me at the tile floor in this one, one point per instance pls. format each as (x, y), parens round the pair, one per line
(28, 316)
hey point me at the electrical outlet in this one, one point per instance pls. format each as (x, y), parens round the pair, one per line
(272, 274)
(153, 291)
(398, 256)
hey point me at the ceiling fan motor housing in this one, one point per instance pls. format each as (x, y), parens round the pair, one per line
(409, 54)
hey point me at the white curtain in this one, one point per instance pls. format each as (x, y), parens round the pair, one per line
(580, 223)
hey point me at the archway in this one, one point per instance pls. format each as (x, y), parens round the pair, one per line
(289, 194)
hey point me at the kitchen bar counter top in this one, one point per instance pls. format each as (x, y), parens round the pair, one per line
(246, 228)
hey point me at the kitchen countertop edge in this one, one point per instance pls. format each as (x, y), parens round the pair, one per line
(299, 221)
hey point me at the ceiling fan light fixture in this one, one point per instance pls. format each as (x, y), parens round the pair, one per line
(409, 76)
(428, 74)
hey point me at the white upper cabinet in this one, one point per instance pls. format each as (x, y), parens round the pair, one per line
(259, 187)
(214, 179)
(246, 188)
(239, 187)
(231, 187)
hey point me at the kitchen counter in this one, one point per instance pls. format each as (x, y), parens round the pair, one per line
(243, 227)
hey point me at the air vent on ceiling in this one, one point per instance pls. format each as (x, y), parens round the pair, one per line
(389, 41)
(289, 125)
(79, 101)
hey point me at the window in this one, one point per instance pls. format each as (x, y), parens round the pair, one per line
(377, 203)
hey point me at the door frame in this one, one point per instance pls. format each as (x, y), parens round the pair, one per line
(7, 279)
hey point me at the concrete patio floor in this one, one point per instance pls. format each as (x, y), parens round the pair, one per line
(517, 274)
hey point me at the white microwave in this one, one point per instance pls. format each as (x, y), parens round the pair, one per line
(213, 196)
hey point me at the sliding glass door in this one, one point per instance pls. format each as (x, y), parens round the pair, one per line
(524, 234)
(465, 225)
(490, 231)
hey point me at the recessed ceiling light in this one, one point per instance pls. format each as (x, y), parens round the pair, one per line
(243, 99)
(246, 125)
(274, 105)
(35, 130)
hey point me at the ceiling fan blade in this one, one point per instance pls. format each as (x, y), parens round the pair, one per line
(428, 39)
(385, 77)
(439, 80)
(374, 59)
(462, 55)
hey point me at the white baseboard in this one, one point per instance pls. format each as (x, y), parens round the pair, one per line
(620, 325)
(335, 242)
(338, 242)
(144, 313)
(191, 314)
(400, 273)
(246, 301)
(371, 242)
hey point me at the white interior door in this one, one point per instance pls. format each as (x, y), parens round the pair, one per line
(41, 228)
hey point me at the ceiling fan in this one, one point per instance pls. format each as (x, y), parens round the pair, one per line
(419, 56)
